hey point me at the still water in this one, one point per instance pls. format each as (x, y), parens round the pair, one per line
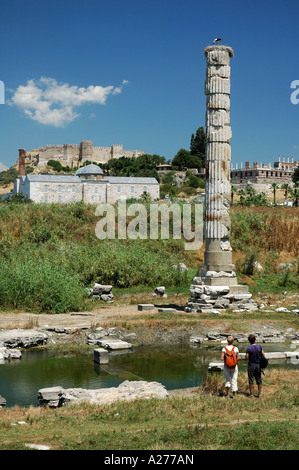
(175, 366)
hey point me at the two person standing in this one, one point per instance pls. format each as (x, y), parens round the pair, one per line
(230, 356)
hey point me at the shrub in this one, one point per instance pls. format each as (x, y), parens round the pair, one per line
(39, 285)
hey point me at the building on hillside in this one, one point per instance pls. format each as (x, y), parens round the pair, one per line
(74, 155)
(262, 175)
(164, 167)
(88, 184)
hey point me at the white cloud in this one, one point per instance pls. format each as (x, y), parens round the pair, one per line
(51, 103)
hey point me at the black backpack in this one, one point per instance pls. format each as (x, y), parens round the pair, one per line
(263, 361)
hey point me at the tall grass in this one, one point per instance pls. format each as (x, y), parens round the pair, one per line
(50, 253)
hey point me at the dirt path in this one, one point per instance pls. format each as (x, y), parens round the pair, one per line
(102, 316)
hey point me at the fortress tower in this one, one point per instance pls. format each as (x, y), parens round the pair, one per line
(86, 151)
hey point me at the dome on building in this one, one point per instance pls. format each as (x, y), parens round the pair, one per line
(91, 169)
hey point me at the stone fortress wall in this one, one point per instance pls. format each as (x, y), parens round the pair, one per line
(74, 155)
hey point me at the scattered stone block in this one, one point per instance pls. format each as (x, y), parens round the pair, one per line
(114, 344)
(2, 402)
(274, 339)
(160, 291)
(100, 356)
(99, 289)
(196, 339)
(145, 307)
(126, 391)
(18, 338)
(51, 396)
(37, 447)
(167, 310)
(217, 366)
(292, 354)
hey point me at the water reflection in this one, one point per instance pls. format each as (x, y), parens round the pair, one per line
(175, 366)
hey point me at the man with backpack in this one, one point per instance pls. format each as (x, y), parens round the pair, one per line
(230, 356)
(253, 355)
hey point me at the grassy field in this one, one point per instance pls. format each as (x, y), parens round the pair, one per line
(49, 254)
(204, 421)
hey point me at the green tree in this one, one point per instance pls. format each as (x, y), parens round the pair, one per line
(8, 176)
(169, 178)
(198, 145)
(144, 165)
(183, 159)
(287, 189)
(295, 176)
(193, 181)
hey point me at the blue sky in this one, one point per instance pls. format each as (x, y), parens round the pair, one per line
(132, 73)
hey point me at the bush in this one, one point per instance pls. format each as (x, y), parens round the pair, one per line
(8, 176)
(39, 285)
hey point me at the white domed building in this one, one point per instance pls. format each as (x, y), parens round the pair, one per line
(88, 184)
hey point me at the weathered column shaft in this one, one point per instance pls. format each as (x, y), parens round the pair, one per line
(217, 285)
(218, 255)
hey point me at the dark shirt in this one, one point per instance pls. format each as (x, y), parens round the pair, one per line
(254, 352)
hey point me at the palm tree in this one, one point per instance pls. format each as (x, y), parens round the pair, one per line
(233, 190)
(274, 186)
(251, 191)
(287, 189)
(295, 195)
(241, 193)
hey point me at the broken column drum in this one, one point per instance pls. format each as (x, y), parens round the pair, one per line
(217, 283)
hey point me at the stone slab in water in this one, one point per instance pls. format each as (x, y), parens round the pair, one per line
(100, 356)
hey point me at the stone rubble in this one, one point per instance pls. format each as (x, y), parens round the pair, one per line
(267, 336)
(160, 291)
(127, 391)
(102, 292)
(205, 298)
(18, 338)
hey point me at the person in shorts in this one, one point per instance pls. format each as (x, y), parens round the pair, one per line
(253, 354)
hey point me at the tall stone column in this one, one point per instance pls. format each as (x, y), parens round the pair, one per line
(22, 163)
(218, 252)
(217, 285)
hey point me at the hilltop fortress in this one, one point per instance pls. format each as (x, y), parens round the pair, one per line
(73, 155)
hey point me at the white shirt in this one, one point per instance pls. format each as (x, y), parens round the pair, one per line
(230, 347)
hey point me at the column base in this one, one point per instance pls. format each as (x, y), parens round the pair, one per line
(211, 296)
